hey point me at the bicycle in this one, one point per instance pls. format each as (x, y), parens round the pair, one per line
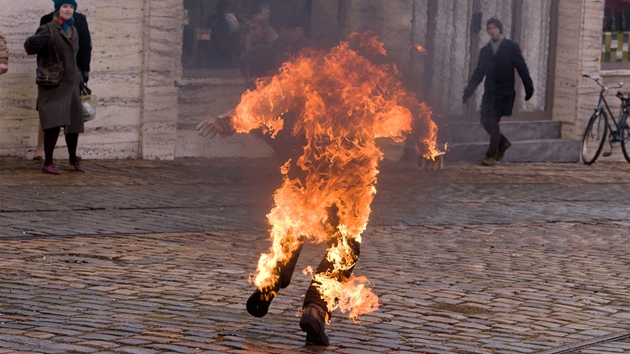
(599, 127)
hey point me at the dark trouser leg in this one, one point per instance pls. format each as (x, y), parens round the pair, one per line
(258, 303)
(491, 125)
(312, 295)
(72, 140)
(286, 269)
(315, 312)
(50, 141)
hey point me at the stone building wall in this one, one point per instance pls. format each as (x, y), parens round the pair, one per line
(117, 64)
(147, 110)
(450, 54)
(578, 52)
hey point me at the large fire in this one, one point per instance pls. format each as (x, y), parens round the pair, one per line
(343, 102)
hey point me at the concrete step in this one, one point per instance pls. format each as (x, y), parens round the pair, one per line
(532, 141)
(455, 133)
(536, 150)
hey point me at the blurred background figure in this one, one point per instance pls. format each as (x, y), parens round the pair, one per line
(4, 55)
(224, 46)
(265, 59)
(260, 32)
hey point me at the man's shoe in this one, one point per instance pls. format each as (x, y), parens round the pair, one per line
(51, 169)
(313, 322)
(489, 161)
(502, 149)
(258, 302)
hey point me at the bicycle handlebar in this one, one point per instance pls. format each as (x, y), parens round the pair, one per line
(600, 82)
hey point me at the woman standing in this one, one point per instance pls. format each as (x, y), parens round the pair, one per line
(60, 105)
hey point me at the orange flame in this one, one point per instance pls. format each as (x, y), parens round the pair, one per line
(419, 48)
(352, 296)
(342, 102)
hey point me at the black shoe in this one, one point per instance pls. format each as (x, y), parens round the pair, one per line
(258, 302)
(506, 145)
(489, 161)
(313, 322)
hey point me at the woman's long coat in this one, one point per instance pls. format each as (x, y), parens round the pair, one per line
(498, 69)
(60, 106)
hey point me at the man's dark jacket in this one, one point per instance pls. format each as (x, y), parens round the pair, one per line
(498, 69)
(84, 56)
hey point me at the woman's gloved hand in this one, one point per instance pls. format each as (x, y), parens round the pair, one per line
(40, 40)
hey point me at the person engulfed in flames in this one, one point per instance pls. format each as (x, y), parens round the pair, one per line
(321, 114)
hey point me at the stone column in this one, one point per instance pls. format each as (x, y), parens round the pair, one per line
(450, 56)
(534, 43)
(578, 51)
(163, 31)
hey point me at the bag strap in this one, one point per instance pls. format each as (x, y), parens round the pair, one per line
(53, 41)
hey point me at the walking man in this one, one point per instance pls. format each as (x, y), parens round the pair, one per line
(497, 61)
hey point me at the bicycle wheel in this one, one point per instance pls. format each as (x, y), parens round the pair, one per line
(594, 138)
(624, 136)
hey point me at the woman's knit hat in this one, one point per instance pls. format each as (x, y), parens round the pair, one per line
(58, 4)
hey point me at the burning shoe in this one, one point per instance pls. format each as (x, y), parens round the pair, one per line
(259, 301)
(313, 322)
(506, 145)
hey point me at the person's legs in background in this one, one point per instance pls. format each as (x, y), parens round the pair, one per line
(50, 141)
(72, 140)
(491, 125)
(40, 144)
(37, 156)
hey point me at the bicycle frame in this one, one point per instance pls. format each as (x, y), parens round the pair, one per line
(614, 132)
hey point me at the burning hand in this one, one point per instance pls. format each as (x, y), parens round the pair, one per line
(431, 165)
(219, 125)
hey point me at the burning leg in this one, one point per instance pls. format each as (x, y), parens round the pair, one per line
(275, 268)
(316, 313)
(258, 303)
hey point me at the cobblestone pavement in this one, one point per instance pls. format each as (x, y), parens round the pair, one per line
(154, 257)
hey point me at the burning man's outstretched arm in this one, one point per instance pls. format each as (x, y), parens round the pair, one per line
(217, 125)
(424, 133)
(261, 107)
